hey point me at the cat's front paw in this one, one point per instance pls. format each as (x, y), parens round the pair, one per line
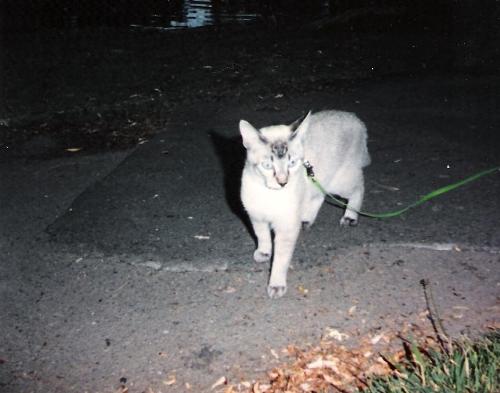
(276, 292)
(348, 222)
(261, 257)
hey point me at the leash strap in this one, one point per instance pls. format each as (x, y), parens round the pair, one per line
(395, 213)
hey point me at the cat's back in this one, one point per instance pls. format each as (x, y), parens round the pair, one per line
(337, 136)
(333, 123)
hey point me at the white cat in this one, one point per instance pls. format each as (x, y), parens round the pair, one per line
(278, 195)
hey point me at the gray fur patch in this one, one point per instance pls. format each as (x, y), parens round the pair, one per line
(279, 148)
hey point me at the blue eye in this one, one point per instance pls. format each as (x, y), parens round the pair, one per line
(267, 165)
(292, 162)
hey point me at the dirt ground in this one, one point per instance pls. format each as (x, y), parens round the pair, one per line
(103, 281)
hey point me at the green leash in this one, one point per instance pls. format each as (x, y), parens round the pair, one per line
(425, 198)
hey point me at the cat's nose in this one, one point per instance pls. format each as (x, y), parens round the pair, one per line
(282, 183)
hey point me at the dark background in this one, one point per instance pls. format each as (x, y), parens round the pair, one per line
(32, 15)
(104, 74)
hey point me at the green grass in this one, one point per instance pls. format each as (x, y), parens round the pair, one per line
(466, 367)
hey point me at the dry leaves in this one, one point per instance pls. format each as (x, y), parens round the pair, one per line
(332, 366)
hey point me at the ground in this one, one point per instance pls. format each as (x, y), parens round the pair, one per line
(126, 257)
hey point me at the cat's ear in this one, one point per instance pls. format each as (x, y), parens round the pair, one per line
(250, 134)
(299, 127)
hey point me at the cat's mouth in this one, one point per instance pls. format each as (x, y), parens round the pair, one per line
(275, 186)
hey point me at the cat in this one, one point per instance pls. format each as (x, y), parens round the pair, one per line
(276, 192)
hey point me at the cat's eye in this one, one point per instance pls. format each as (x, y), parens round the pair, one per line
(292, 162)
(267, 165)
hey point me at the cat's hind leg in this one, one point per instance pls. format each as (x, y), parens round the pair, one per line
(349, 184)
(264, 243)
(354, 201)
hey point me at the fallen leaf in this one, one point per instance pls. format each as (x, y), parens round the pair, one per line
(302, 290)
(335, 334)
(460, 307)
(273, 375)
(170, 381)
(375, 339)
(386, 187)
(493, 325)
(219, 382)
(331, 380)
(321, 363)
(378, 369)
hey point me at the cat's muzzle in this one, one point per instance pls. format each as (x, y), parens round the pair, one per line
(281, 179)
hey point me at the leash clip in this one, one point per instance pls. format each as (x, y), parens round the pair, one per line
(309, 169)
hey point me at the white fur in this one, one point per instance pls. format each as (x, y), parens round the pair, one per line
(276, 192)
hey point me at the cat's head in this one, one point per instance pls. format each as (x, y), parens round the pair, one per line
(276, 152)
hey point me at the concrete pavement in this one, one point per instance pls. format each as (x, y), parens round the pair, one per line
(138, 264)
